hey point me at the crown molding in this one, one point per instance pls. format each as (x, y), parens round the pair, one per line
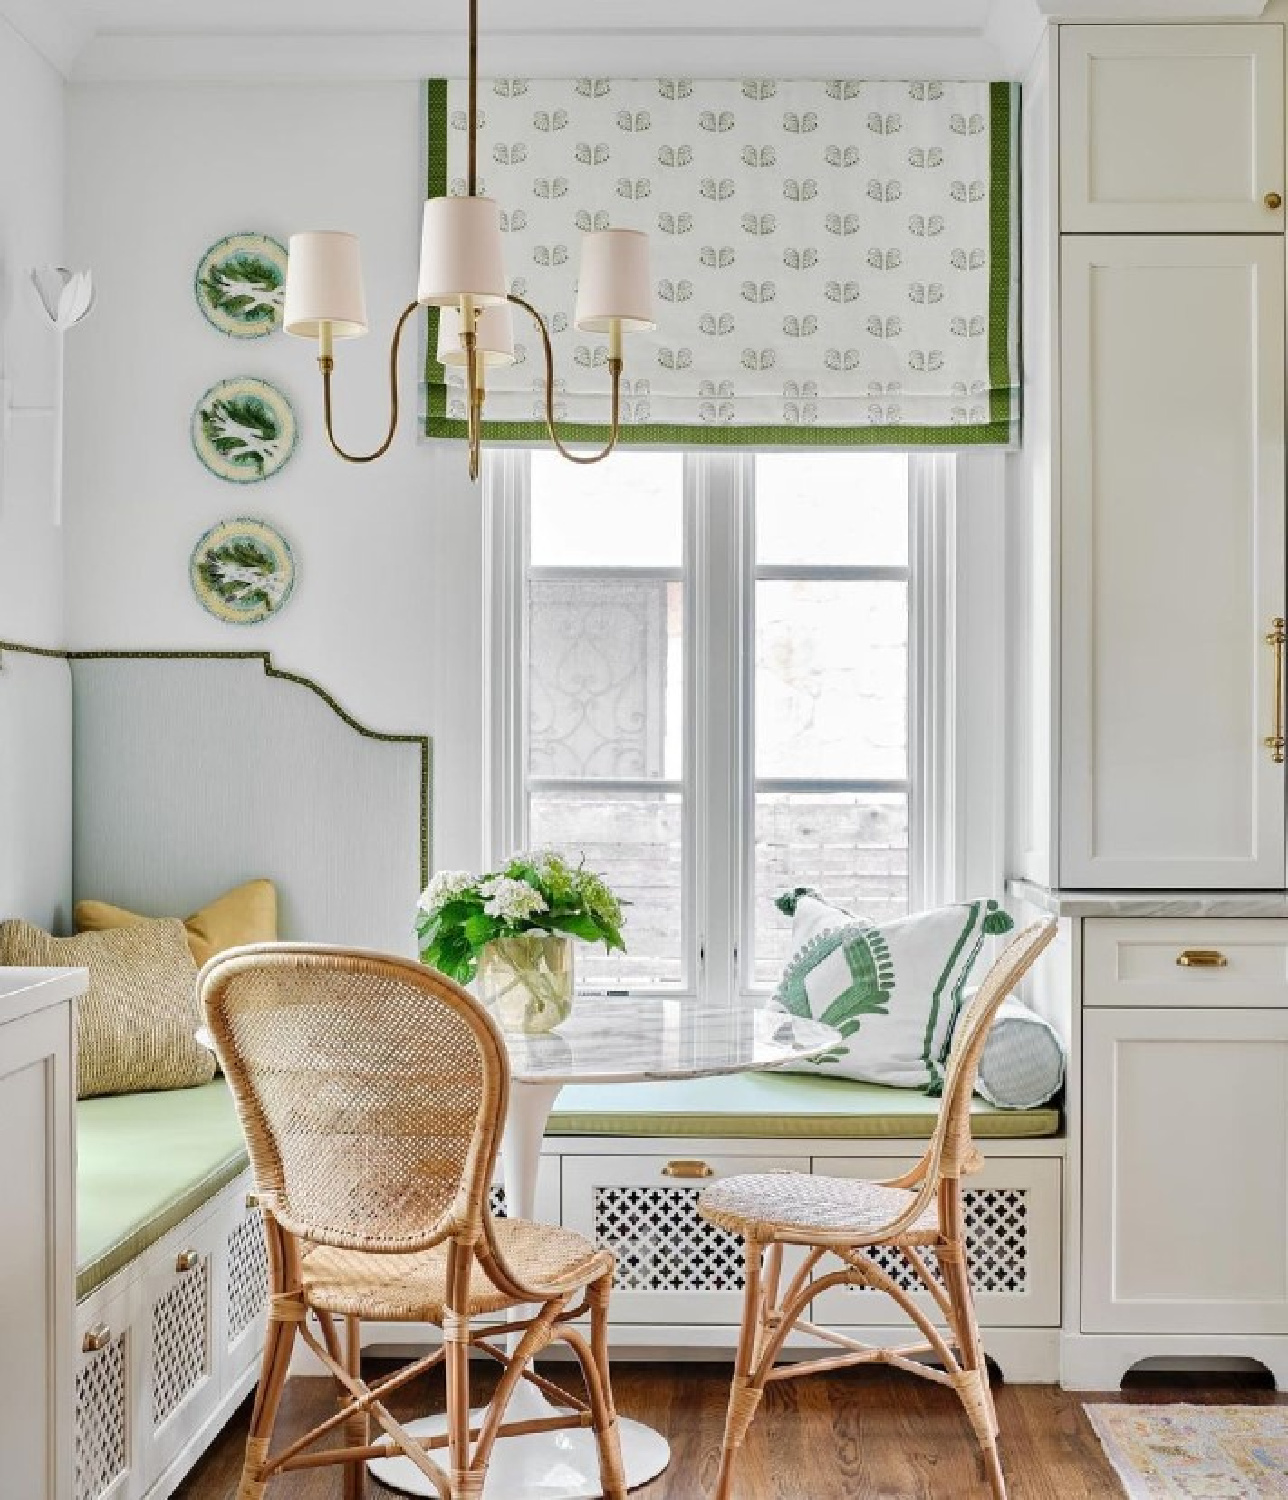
(706, 52)
(55, 31)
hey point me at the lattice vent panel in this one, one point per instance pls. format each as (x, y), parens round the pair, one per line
(662, 1245)
(496, 1201)
(102, 1428)
(997, 1239)
(247, 1274)
(180, 1344)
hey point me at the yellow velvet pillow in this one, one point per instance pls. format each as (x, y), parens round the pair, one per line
(246, 914)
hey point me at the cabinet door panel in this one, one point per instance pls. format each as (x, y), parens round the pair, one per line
(1185, 1172)
(1171, 129)
(1172, 560)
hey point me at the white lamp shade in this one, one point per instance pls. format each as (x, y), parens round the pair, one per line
(460, 253)
(494, 330)
(324, 285)
(616, 285)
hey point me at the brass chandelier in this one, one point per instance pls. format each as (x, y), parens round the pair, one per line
(462, 273)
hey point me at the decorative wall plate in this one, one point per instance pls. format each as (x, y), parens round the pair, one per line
(243, 430)
(242, 571)
(240, 283)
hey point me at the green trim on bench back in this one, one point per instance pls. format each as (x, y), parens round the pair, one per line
(778, 1106)
(144, 1163)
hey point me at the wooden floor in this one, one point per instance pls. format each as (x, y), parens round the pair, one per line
(870, 1434)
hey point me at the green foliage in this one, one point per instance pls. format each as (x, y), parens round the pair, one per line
(459, 916)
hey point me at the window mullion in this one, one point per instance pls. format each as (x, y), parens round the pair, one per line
(716, 485)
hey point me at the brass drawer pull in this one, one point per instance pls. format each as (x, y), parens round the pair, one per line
(187, 1260)
(96, 1338)
(1274, 742)
(687, 1169)
(1202, 958)
(1274, 201)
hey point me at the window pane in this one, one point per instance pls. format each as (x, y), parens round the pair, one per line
(605, 678)
(840, 508)
(851, 846)
(831, 679)
(633, 840)
(623, 514)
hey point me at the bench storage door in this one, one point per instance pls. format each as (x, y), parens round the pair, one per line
(1012, 1211)
(672, 1266)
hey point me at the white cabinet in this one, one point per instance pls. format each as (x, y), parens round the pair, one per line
(1171, 129)
(37, 1287)
(1185, 1172)
(1172, 520)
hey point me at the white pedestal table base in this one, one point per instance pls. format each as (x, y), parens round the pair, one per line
(539, 1465)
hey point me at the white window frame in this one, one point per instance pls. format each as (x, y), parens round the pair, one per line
(956, 637)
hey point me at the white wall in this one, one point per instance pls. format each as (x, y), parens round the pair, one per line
(386, 611)
(31, 234)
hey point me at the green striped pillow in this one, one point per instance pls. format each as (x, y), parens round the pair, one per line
(893, 991)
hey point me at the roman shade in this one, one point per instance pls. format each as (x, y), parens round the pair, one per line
(835, 262)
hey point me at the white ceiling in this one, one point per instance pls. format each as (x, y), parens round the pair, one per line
(196, 40)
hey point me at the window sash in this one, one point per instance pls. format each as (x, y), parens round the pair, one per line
(718, 784)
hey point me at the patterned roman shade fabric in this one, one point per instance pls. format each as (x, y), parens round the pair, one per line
(835, 262)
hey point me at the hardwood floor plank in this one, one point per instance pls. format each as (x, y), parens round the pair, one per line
(857, 1435)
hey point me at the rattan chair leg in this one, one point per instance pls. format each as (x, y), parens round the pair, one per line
(274, 1367)
(357, 1429)
(744, 1396)
(971, 1384)
(593, 1359)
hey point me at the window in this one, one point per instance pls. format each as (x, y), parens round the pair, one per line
(704, 679)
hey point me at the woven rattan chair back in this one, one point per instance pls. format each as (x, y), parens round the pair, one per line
(956, 1151)
(371, 1089)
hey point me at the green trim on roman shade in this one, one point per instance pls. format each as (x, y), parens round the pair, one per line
(972, 424)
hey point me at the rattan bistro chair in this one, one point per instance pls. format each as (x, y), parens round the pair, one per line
(372, 1093)
(914, 1214)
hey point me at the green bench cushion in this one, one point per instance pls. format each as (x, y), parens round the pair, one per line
(144, 1162)
(778, 1106)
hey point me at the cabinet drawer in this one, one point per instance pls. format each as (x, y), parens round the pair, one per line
(672, 1266)
(1206, 961)
(1012, 1217)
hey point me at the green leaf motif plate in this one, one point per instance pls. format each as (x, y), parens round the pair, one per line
(243, 430)
(240, 284)
(242, 571)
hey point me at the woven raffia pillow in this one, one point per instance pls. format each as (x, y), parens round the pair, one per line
(893, 991)
(136, 1026)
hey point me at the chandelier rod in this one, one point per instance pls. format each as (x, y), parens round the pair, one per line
(472, 179)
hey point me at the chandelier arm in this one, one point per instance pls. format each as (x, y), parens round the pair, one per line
(615, 373)
(327, 364)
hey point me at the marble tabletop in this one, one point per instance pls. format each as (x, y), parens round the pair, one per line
(610, 1039)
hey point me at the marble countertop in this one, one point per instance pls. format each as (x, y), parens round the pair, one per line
(1150, 903)
(24, 991)
(611, 1040)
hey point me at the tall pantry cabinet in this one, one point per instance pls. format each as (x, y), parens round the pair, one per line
(1148, 684)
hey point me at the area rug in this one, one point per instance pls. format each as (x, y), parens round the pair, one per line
(1195, 1452)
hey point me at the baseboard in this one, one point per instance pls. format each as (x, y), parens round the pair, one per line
(1098, 1361)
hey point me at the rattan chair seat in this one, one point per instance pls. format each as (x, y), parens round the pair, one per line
(413, 1288)
(797, 1206)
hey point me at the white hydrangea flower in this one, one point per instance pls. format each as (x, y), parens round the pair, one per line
(444, 887)
(509, 900)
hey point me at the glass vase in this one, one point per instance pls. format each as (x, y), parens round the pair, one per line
(527, 981)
